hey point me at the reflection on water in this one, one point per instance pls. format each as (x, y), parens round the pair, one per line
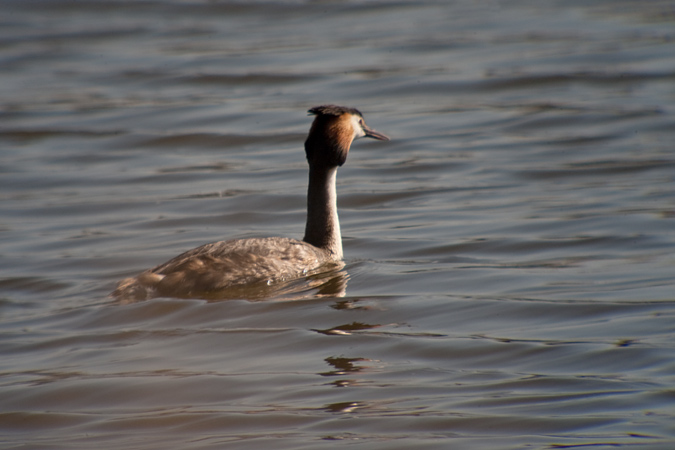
(344, 366)
(509, 257)
(331, 283)
(327, 281)
(348, 329)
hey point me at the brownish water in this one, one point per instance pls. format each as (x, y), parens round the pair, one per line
(510, 268)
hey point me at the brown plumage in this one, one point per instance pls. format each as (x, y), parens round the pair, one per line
(213, 269)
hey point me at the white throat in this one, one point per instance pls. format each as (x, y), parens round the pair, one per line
(332, 201)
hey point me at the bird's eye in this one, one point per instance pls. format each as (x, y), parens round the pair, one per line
(361, 122)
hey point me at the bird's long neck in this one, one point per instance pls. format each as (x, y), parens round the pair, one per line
(323, 225)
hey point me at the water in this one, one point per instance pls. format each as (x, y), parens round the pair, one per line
(509, 278)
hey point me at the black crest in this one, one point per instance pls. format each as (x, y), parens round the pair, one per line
(333, 110)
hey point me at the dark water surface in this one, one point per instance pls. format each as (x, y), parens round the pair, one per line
(510, 254)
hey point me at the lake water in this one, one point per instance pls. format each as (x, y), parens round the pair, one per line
(510, 254)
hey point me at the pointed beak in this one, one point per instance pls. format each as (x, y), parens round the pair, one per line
(375, 134)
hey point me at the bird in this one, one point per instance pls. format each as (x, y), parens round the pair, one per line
(212, 269)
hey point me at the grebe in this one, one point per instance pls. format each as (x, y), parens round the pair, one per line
(220, 266)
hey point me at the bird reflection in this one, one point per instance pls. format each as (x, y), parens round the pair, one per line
(343, 366)
(345, 407)
(348, 329)
(327, 283)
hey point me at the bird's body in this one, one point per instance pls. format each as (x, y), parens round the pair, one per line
(214, 268)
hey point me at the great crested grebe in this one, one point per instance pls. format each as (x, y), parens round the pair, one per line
(219, 266)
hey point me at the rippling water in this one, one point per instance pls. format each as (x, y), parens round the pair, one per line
(510, 268)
